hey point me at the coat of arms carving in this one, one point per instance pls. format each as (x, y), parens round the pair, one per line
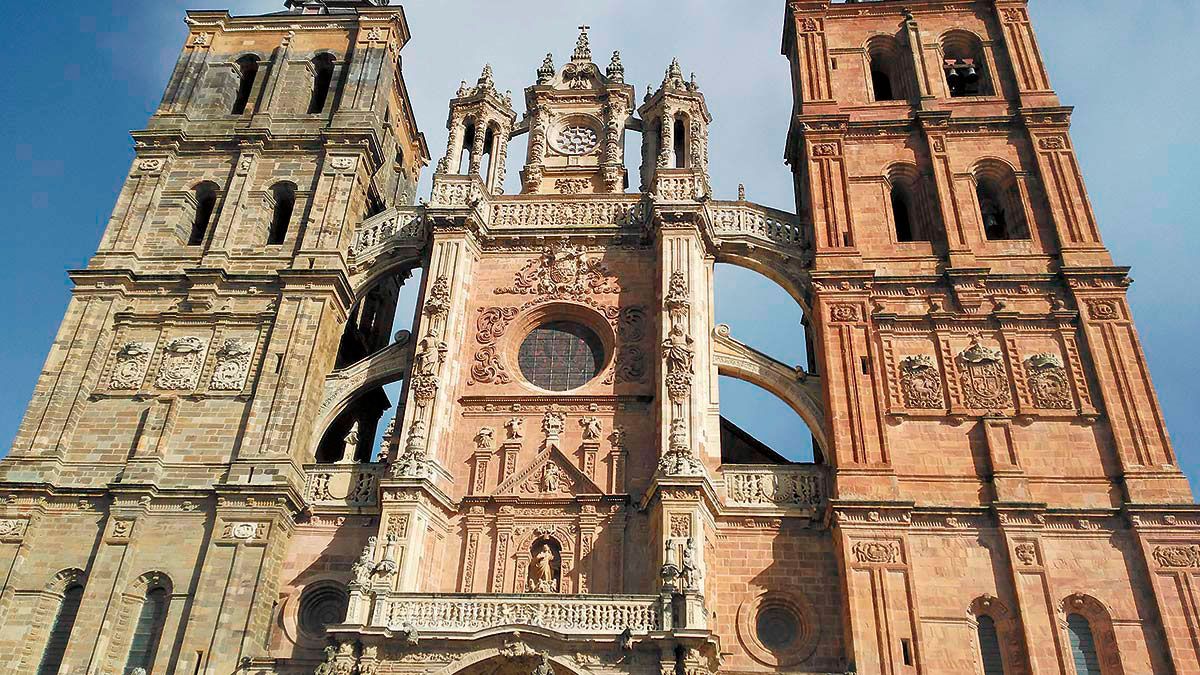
(562, 270)
(921, 382)
(181, 361)
(983, 378)
(1048, 382)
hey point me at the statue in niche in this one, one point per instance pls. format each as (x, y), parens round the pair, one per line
(544, 667)
(543, 570)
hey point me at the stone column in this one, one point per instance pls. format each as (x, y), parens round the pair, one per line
(188, 71)
(1033, 83)
(262, 114)
(959, 226)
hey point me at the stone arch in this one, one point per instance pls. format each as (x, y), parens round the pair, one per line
(960, 45)
(801, 393)
(1007, 629)
(779, 269)
(45, 610)
(884, 57)
(906, 178)
(1099, 618)
(998, 182)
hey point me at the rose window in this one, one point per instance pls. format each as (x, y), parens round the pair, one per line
(577, 140)
(561, 355)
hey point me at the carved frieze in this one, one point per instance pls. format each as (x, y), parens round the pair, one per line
(876, 552)
(1048, 382)
(13, 528)
(232, 365)
(772, 488)
(612, 213)
(1183, 556)
(181, 362)
(129, 369)
(921, 382)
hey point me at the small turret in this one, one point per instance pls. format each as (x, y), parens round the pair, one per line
(480, 124)
(675, 140)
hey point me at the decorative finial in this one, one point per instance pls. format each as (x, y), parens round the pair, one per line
(674, 76)
(741, 192)
(649, 92)
(485, 78)
(462, 89)
(583, 51)
(545, 72)
(616, 71)
(692, 86)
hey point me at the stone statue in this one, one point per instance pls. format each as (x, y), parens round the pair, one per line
(544, 667)
(515, 428)
(542, 574)
(552, 478)
(591, 428)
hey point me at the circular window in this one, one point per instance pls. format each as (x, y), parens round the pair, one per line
(321, 607)
(577, 139)
(561, 355)
(777, 628)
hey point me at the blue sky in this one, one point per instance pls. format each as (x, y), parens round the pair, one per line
(92, 71)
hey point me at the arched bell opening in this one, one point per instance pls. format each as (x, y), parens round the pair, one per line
(351, 436)
(771, 410)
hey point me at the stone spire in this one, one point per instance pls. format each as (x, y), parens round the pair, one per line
(485, 81)
(545, 72)
(583, 51)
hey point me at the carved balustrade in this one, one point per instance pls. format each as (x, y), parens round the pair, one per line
(397, 228)
(584, 211)
(450, 613)
(750, 222)
(769, 486)
(342, 485)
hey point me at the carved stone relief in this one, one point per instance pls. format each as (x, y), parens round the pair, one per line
(181, 362)
(921, 382)
(490, 326)
(232, 365)
(1048, 383)
(1177, 556)
(129, 369)
(876, 552)
(563, 271)
(983, 378)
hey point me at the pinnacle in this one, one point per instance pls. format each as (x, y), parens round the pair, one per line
(616, 70)
(485, 78)
(545, 72)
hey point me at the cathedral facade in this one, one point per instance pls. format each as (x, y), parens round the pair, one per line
(204, 483)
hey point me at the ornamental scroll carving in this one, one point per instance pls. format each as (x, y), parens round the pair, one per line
(876, 552)
(1177, 556)
(921, 382)
(983, 378)
(490, 326)
(563, 271)
(1048, 383)
(181, 361)
(232, 365)
(132, 359)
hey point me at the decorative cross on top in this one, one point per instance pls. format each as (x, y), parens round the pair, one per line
(583, 51)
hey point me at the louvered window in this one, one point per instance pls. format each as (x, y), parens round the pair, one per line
(1083, 646)
(989, 647)
(147, 632)
(56, 646)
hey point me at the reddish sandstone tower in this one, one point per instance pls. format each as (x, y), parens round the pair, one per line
(1004, 497)
(241, 457)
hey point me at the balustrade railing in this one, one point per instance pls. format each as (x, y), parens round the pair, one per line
(571, 614)
(783, 486)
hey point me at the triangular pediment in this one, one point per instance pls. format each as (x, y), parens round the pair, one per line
(550, 474)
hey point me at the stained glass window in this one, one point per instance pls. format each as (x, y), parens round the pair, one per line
(561, 355)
